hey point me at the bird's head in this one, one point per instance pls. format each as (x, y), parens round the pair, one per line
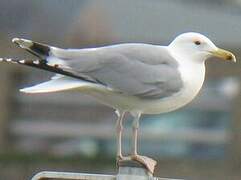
(198, 47)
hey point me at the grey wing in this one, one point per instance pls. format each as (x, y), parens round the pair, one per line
(142, 70)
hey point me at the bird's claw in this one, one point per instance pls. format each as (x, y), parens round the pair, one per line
(149, 163)
(144, 160)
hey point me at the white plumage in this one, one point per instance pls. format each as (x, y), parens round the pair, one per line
(135, 78)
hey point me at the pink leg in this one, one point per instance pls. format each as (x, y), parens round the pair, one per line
(135, 127)
(119, 128)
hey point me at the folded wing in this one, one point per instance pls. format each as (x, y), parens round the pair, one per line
(141, 70)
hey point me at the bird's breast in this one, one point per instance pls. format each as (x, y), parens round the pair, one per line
(193, 77)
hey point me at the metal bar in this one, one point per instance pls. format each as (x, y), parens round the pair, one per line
(71, 176)
(52, 175)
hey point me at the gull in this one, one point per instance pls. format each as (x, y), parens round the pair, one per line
(133, 78)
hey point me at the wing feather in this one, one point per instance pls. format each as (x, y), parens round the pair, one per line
(142, 70)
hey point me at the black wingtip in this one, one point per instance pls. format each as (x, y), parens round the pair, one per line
(37, 49)
(39, 64)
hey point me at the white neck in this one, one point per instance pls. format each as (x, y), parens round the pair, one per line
(192, 70)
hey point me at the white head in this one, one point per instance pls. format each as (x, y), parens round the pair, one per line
(198, 47)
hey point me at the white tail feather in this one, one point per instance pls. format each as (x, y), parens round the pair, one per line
(55, 85)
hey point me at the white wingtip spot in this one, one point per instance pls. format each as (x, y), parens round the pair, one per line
(36, 62)
(23, 43)
(14, 40)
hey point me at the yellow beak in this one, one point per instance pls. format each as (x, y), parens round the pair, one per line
(223, 54)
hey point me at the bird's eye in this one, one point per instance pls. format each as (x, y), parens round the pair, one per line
(197, 42)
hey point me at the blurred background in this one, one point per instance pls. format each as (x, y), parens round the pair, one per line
(72, 132)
